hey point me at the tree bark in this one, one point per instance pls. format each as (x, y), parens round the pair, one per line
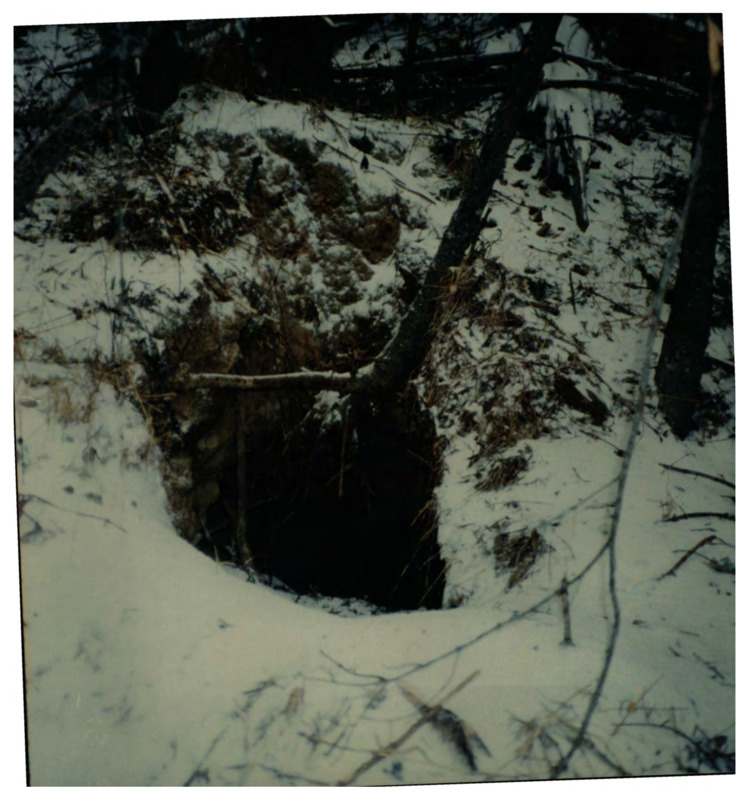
(406, 349)
(405, 81)
(682, 358)
(314, 381)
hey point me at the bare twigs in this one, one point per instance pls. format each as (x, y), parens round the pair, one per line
(538, 729)
(697, 514)
(711, 751)
(564, 594)
(580, 737)
(389, 749)
(632, 706)
(23, 499)
(316, 381)
(290, 776)
(637, 417)
(509, 620)
(451, 728)
(698, 474)
(688, 554)
(572, 293)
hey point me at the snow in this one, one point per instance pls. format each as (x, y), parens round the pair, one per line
(147, 663)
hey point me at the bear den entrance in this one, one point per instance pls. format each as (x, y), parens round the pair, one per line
(343, 509)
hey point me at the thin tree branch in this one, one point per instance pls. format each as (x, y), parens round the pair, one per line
(716, 514)
(515, 617)
(687, 555)
(291, 776)
(407, 347)
(622, 80)
(637, 417)
(24, 498)
(316, 381)
(389, 749)
(572, 294)
(564, 594)
(608, 68)
(699, 474)
(619, 87)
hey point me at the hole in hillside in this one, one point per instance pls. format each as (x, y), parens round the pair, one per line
(331, 502)
(344, 512)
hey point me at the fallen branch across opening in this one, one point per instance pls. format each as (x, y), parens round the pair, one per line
(405, 351)
(316, 381)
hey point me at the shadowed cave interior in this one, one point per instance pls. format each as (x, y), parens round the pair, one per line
(343, 510)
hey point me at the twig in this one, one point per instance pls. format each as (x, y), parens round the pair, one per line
(718, 362)
(514, 617)
(578, 136)
(200, 771)
(315, 739)
(637, 417)
(661, 726)
(291, 776)
(699, 474)
(628, 75)
(580, 738)
(618, 769)
(716, 672)
(378, 679)
(572, 294)
(632, 706)
(336, 150)
(401, 185)
(693, 514)
(614, 87)
(334, 381)
(451, 727)
(564, 594)
(590, 745)
(622, 309)
(389, 749)
(687, 555)
(26, 497)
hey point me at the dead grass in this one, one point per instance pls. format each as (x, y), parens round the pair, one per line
(517, 553)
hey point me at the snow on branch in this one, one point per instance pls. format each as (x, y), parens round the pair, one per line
(334, 381)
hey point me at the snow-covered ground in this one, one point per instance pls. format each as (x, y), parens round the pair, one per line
(147, 663)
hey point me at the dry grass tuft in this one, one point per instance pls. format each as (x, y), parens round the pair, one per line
(517, 553)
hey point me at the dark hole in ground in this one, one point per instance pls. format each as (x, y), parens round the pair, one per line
(347, 511)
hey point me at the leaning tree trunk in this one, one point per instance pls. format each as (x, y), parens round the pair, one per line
(404, 353)
(682, 359)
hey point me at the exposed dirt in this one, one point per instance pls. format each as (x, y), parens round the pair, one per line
(336, 501)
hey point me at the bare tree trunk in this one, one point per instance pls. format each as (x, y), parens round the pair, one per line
(682, 359)
(404, 353)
